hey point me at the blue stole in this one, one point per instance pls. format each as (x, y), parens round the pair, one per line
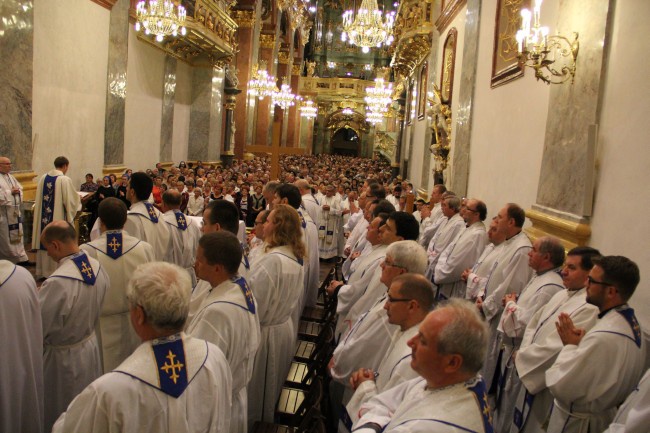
(244, 256)
(114, 245)
(481, 398)
(246, 290)
(47, 204)
(151, 210)
(172, 368)
(181, 222)
(86, 271)
(630, 318)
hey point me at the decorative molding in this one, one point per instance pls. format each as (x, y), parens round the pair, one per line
(27, 180)
(117, 170)
(108, 4)
(450, 9)
(571, 233)
(245, 19)
(267, 41)
(296, 69)
(284, 58)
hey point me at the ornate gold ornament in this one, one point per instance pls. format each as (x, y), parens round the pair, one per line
(245, 19)
(160, 18)
(284, 58)
(440, 115)
(267, 41)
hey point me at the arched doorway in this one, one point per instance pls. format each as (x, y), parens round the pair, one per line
(345, 141)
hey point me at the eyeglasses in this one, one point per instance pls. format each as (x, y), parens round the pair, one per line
(392, 265)
(392, 300)
(602, 283)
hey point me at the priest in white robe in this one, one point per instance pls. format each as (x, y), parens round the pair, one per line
(218, 215)
(308, 200)
(119, 254)
(478, 275)
(545, 258)
(409, 300)
(633, 415)
(56, 199)
(541, 343)
(597, 369)
(172, 383)
(449, 396)
(277, 283)
(329, 224)
(446, 233)
(21, 334)
(12, 245)
(510, 275)
(184, 233)
(462, 252)
(71, 300)
(144, 221)
(365, 343)
(228, 316)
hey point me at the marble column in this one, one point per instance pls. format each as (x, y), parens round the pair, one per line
(245, 16)
(117, 87)
(281, 115)
(263, 128)
(571, 127)
(206, 115)
(294, 112)
(463, 120)
(167, 124)
(16, 74)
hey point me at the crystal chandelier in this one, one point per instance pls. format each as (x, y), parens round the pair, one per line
(262, 84)
(377, 100)
(159, 18)
(308, 109)
(367, 29)
(283, 97)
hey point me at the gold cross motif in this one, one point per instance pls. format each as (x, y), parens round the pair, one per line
(114, 244)
(486, 409)
(152, 212)
(49, 185)
(86, 270)
(249, 294)
(181, 220)
(171, 366)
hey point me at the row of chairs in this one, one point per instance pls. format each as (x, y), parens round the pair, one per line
(302, 405)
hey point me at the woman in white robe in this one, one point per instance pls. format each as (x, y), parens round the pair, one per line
(277, 281)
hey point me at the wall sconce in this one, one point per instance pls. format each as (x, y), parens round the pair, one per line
(540, 51)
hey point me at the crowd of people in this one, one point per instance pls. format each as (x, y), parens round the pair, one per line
(172, 319)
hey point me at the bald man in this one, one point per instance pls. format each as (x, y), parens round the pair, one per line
(71, 300)
(12, 247)
(184, 233)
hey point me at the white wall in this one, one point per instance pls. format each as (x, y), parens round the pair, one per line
(144, 77)
(509, 124)
(69, 92)
(622, 201)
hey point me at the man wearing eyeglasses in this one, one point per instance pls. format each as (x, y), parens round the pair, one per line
(12, 247)
(408, 301)
(597, 369)
(541, 343)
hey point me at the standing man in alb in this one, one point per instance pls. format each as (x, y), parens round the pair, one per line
(11, 222)
(56, 199)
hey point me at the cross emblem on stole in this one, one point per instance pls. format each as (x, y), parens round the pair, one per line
(114, 244)
(181, 220)
(152, 212)
(86, 269)
(486, 408)
(173, 366)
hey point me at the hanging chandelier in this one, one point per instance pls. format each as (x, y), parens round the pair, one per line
(262, 84)
(308, 109)
(160, 18)
(378, 100)
(283, 97)
(367, 28)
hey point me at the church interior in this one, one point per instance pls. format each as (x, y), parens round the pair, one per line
(79, 80)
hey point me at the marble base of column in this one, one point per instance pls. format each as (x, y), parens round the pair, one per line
(116, 169)
(570, 229)
(28, 181)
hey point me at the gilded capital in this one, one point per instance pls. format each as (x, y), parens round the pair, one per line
(267, 41)
(284, 57)
(245, 18)
(296, 68)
